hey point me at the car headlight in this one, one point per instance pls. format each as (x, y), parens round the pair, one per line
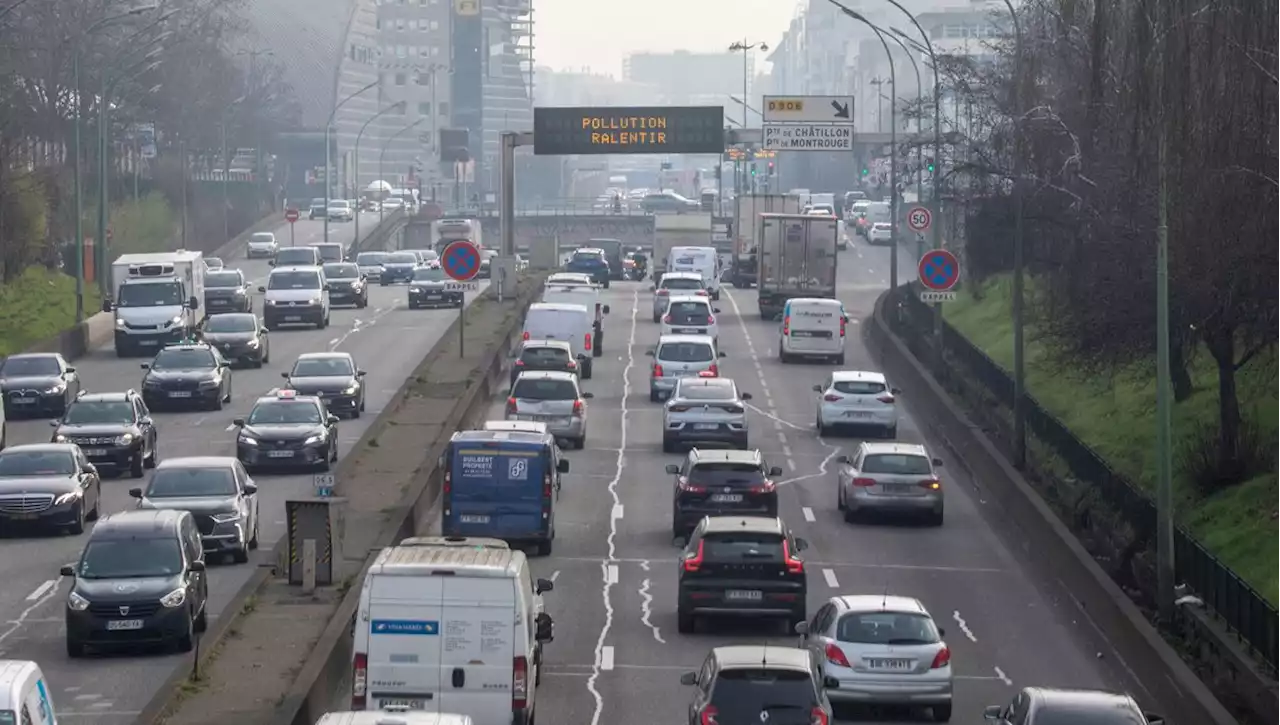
(77, 603)
(174, 599)
(317, 300)
(54, 390)
(119, 324)
(252, 343)
(59, 438)
(124, 439)
(313, 440)
(269, 302)
(351, 389)
(68, 497)
(210, 383)
(241, 293)
(226, 518)
(248, 440)
(177, 320)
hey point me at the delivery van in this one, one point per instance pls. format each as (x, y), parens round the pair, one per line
(812, 328)
(502, 485)
(703, 260)
(571, 323)
(395, 717)
(24, 694)
(588, 297)
(450, 625)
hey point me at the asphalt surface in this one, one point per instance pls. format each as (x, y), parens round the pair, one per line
(617, 657)
(388, 342)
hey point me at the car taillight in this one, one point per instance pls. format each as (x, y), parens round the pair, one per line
(663, 292)
(794, 565)
(932, 484)
(886, 398)
(864, 482)
(666, 319)
(586, 341)
(519, 684)
(572, 365)
(447, 486)
(657, 370)
(832, 397)
(835, 656)
(819, 717)
(548, 486)
(683, 483)
(711, 319)
(942, 659)
(359, 680)
(525, 336)
(713, 371)
(678, 408)
(578, 408)
(708, 716)
(842, 324)
(693, 563)
(519, 363)
(766, 487)
(786, 325)
(511, 406)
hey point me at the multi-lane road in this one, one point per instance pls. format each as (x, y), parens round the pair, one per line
(617, 657)
(388, 341)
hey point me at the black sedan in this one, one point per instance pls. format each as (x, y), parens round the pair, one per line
(36, 384)
(240, 337)
(226, 290)
(187, 376)
(347, 286)
(430, 288)
(331, 376)
(49, 485)
(287, 430)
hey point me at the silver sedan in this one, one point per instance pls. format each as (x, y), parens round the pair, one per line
(554, 398)
(705, 410)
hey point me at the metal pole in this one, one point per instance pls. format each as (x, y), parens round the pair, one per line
(328, 156)
(506, 218)
(100, 242)
(75, 82)
(1164, 393)
(355, 160)
(182, 152)
(1019, 262)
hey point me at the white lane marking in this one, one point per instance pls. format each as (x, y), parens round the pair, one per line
(646, 611)
(42, 590)
(611, 574)
(16, 624)
(782, 437)
(786, 450)
(334, 342)
(606, 658)
(611, 541)
(791, 464)
(555, 575)
(1003, 677)
(645, 565)
(230, 427)
(963, 625)
(830, 576)
(808, 514)
(617, 511)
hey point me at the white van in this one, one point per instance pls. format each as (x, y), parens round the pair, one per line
(24, 694)
(450, 625)
(574, 324)
(812, 327)
(588, 297)
(703, 260)
(406, 717)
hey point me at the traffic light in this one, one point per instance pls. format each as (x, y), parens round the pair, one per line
(770, 167)
(753, 168)
(929, 166)
(866, 171)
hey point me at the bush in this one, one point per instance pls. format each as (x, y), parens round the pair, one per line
(145, 225)
(35, 306)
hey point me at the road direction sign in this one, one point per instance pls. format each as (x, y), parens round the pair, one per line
(808, 109)
(461, 260)
(919, 219)
(291, 215)
(939, 270)
(930, 296)
(808, 137)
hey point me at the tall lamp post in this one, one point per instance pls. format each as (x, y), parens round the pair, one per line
(328, 161)
(355, 158)
(226, 168)
(919, 94)
(383, 152)
(745, 46)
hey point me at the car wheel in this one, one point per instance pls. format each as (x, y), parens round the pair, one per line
(891, 432)
(136, 465)
(667, 445)
(75, 649)
(823, 428)
(96, 511)
(241, 555)
(850, 514)
(151, 459)
(935, 518)
(685, 622)
(839, 496)
(942, 713)
(653, 396)
(253, 538)
(77, 527)
(657, 318)
(586, 369)
(543, 548)
(840, 359)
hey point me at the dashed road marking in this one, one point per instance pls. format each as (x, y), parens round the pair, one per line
(606, 658)
(42, 590)
(830, 576)
(964, 626)
(1003, 677)
(808, 514)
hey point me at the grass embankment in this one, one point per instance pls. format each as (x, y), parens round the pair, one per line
(1115, 416)
(41, 303)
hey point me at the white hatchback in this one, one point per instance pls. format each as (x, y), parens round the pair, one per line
(690, 315)
(857, 398)
(880, 232)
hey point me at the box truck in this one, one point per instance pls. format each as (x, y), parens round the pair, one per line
(677, 230)
(155, 299)
(797, 258)
(742, 269)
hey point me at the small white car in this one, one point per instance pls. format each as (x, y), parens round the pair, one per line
(391, 204)
(857, 398)
(262, 244)
(341, 211)
(880, 233)
(690, 315)
(883, 649)
(685, 283)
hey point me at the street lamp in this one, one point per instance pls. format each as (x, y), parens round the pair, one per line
(919, 94)
(328, 162)
(745, 46)
(383, 153)
(226, 168)
(355, 160)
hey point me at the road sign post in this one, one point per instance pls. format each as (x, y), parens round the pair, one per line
(291, 216)
(461, 261)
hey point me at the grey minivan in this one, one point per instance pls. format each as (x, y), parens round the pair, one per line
(681, 356)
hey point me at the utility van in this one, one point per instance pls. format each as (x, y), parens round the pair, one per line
(156, 299)
(24, 694)
(502, 484)
(574, 324)
(703, 260)
(450, 625)
(588, 297)
(812, 327)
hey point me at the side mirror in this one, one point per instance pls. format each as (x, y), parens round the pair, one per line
(250, 489)
(67, 570)
(543, 585)
(802, 628)
(895, 391)
(284, 375)
(1153, 718)
(689, 679)
(260, 287)
(606, 309)
(843, 459)
(145, 366)
(942, 631)
(992, 712)
(588, 396)
(937, 462)
(135, 493)
(830, 683)
(238, 422)
(746, 396)
(55, 423)
(801, 544)
(272, 263)
(563, 465)
(193, 303)
(70, 370)
(649, 353)
(721, 354)
(361, 373)
(817, 388)
(91, 469)
(197, 566)
(673, 469)
(331, 420)
(107, 306)
(715, 310)
(326, 286)
(775, 471)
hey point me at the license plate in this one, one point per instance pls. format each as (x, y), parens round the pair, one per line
(744, 595)
(706, 426)
(293, 318)
(535, 418)
(856, 414)
(726, 498)
(279, 454)
(801, 333)
(95, 452)
(686, 330)
(473, 519)
(24, 401)
(879, 664)
(24, 517)
(148, 343)
(118, 625)
(401, 704)
(180, 394)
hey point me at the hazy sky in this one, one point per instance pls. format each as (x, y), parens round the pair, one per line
(577, 33)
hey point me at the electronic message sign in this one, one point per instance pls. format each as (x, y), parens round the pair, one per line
(628, 130)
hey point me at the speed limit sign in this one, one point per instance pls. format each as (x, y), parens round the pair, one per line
(919, 219)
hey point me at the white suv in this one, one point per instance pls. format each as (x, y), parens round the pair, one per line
(295, 296)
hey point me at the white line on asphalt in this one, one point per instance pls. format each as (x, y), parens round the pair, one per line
(791, 465)
(617, 511)
(555, 575)
(611, 540)
(606, 658)
(611, 574)
(42, 590)
(808, 514)
(782, 437)
(963, 625)
(830, 576)
(645, 565)
(646, 611)
(786, 450)
(16, 624)
(1003, 677)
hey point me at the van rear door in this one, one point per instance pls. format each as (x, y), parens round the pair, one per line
(479, 647)
(496, 489)
(405, 642)
(813, 326)
(567, 325)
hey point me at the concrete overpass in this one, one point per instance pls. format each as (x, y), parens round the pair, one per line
(568, 230)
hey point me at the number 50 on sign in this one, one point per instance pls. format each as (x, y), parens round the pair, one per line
(919, 219)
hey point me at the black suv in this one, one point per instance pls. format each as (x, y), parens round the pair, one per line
(346, 284)
(37, 383)
(115, 431)
(555, 355)
(716, 482)
(287, 430)
(191, 375)
(759, 683)
(746, 566)
(140, 580)
(226, 290)
(239, 336)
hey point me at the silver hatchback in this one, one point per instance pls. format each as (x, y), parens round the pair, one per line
(705, 410)
(890, 477)
(554, 398)
(681, 356)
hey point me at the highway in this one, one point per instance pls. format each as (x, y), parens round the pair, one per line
(617, 658)
(388, 342)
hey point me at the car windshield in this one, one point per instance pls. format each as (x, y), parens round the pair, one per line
(688, 312)
(592, 257)
(428, 274)
(228, 278)
(371, 259)
(192, 482)
(7, 717)
(859, 387)
(685, 352)
(322, 367)
(284, 412)
(317, 202)
(558, 356)
(887, 628)
(897, 463)
(341, 271)
(743, 546)
(330, 252)
(1109, 713)
(297, 255)
(401, 258)
(681, 283)
(16, 462)
(231, 323)
(99, 412)
(743, 695)
(20, 366)
(722, 473)
(130, 558)
(183, 360)
(706, 390)
(165, 294)
(294, 280)
(538, 389)
(262, 237)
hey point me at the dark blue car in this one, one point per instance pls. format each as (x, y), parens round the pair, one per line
(592, 262)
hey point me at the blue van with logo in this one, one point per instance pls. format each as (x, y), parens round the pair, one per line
(502, 485)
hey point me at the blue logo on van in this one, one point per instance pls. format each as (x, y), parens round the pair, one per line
(406, 626)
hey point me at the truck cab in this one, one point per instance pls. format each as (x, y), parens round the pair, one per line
(155, 300)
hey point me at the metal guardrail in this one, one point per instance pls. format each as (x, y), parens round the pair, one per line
(1248, 614)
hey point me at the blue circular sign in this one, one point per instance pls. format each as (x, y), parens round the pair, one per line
(461, 260)
(939, 270)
